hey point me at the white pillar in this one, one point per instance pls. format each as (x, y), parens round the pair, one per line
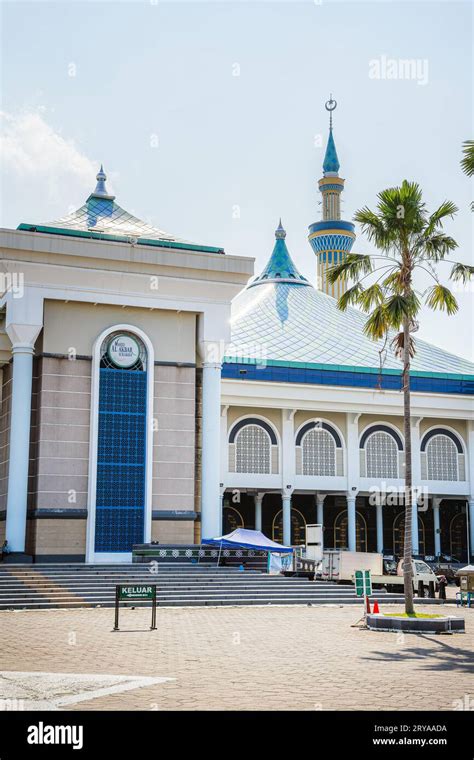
(414, 527)
(320, 513)
(379, 519)
(471, 526)
(352, 452)
(437, 532)
(258, 510)
(210, 489)
(19, 447)
(351, 522)
(286, 501)
(416, 480)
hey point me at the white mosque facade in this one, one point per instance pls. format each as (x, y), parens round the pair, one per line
(153, 389)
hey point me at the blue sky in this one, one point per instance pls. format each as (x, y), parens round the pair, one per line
(92, 82)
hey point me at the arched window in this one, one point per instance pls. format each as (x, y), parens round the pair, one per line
(442, 457)
(121, 443)
(253, 450)
(253, 447)
(382, 446)
(319, 452)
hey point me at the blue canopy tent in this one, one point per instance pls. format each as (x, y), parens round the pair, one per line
(246, 539)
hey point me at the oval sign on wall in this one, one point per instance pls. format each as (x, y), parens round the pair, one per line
(123, 351)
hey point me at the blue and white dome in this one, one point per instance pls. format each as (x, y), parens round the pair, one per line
(281, 320)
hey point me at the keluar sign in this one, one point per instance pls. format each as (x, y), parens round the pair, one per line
(136, 593)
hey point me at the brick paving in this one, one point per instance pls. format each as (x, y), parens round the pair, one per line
(246, 658)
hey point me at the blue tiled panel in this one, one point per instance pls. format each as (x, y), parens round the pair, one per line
(121, 457)
(354, 379)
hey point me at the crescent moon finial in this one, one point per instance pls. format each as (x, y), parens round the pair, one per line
(330, 105)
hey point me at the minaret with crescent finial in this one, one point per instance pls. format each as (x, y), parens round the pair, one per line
(332, 238)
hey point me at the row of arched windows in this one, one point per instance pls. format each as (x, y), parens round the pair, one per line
(253, 448)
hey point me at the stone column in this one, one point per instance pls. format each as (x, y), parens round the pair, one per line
(414, 527)
(379, 519)
(258, 510)
(470, 508)
(211, 508)
(320, 513)
(23, 324)
(351, 521)
(286, 503)
(416, 479)
(437, 531)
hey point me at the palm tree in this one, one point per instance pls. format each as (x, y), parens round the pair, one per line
(467, 161)
(408, 239)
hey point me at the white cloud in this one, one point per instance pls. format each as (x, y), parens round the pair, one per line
(32, 152)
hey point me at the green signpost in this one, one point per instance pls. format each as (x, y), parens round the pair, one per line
(363, 583)
(134, 593)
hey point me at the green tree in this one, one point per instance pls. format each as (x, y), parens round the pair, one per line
(467, 161)
(408, 239)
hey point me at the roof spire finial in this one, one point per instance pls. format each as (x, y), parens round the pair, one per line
(330, 105)
(280, 232)
(100, 189)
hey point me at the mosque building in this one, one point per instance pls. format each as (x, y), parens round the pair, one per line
(153, 389)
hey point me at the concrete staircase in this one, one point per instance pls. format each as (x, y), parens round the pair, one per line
(78, 585)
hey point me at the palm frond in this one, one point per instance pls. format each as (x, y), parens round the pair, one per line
(440, 297)
(353, 266)
(378, 324)
(467, 161)
(462, 272)
(397, 344)
(350, 297)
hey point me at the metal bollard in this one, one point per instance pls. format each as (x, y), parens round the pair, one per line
(421, 589)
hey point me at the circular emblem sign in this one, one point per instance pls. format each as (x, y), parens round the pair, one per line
(123, 351)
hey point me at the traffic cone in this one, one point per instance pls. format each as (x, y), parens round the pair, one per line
(376, 608)
(367, 605)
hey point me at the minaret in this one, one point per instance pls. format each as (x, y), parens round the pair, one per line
(331, 238)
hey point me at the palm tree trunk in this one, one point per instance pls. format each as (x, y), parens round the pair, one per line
(407, 544)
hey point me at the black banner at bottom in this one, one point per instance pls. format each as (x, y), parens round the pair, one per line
(134, 734)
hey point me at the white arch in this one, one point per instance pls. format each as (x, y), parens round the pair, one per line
(93, 442)
(387, 424)
(256, 417)
(442, 426)
(328, 422)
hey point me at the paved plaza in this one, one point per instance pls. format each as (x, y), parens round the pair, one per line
(231, 658)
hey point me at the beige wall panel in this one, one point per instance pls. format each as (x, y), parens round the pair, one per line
(62, 483)
(173, 487)
(173, 501)
(59, 500)
(176, 469)
(164, 437)
(174, 375)
(180, 407)
(369, 419)
(59, 433)
(77, 325)
(65, 449)
(65, 466)
(460, 426)
(67, 416)
(339, 420)
(61, 536)
(66, 383)
(62, 367)
(66, 399)
(173, 531)
(174, 422)
(236, 412)
(181, 454)
(174, 390)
